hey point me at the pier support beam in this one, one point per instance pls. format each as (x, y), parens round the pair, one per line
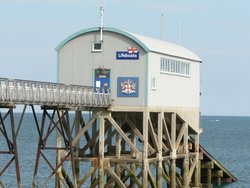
(59, 174)
(145, 148)
(77, 146)
(159, 155)
(209, 177)
(197, 175)
(173, 152)
(186, 180)
(14, 139)
(101, 153)
(11, 141)
(118, 155)
(135, 149)
(218, 175)
(208, 166)
(173, 174)
(145, 166)
(133, 165)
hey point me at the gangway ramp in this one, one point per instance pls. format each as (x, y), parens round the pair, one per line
(212, 171)
(16, 91)
(212, 167)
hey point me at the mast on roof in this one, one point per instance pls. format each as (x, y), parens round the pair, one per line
(101, 19)
(162, 19)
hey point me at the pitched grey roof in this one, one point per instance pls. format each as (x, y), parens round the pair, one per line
(156, 45)
(147, 43)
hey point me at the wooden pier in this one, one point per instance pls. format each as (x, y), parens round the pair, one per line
(122, 147)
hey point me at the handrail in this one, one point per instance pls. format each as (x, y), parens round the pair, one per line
(47, 93)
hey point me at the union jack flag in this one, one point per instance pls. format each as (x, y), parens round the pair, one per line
(132, 50)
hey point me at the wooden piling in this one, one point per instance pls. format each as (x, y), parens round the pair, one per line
(77, 146)
(123, 148)
(133, 165)
(145, 166)
(186, 159)
(118, 155)
(173, 174)
(159, 155)
(13, 132)
(197, 167)
(101, 153)
(59, 174)
(173, 152)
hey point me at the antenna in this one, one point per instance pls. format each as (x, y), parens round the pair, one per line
(162, 16)
(162, 21)
(101, 19)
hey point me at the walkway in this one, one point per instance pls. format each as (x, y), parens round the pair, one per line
(14, 91)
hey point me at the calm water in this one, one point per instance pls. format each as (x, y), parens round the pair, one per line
(226, 138)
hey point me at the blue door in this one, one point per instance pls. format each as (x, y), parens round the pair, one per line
(102, 79)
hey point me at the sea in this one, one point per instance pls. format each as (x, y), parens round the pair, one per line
(227, 138)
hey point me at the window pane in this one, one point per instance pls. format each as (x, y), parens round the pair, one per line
(175, 67)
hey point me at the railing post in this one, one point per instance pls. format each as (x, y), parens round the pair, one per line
(7, 90)
(92, 97)
(15, 91)
(46, 93)
(1, 94)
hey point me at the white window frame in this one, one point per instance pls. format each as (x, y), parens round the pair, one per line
(93, 47)
(153, 83)
(175, 67)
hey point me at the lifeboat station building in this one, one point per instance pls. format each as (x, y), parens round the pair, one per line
(153, 118)
(140, 71)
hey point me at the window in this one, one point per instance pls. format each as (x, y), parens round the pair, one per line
(153, 83)
(97, 47)
(175, 67)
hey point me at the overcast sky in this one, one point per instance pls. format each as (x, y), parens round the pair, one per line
(217, 31)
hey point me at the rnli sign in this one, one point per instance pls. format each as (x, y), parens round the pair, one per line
(128, 86)
(131, 54)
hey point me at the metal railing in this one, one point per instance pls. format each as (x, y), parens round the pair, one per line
(45, 93)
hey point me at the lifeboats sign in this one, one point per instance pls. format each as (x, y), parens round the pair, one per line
(128, 86)
(131, 54)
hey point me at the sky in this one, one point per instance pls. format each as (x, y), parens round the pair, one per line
(217, 31)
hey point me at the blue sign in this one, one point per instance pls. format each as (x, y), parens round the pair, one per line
(102, 79)
(127, 56)
(127, 86)
(131, 54)
(102, 83)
